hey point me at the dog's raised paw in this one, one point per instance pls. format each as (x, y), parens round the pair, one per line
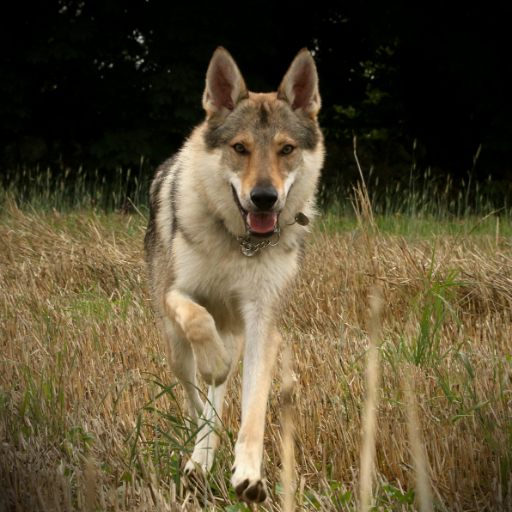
(251, 492)
(214, 368)
(212, 359)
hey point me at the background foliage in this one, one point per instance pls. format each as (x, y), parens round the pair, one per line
(102, 83)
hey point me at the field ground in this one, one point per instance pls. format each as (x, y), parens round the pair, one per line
(90, 419)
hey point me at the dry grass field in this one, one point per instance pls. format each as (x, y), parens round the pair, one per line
(90, 418)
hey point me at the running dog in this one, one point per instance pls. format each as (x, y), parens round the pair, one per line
(223, 245)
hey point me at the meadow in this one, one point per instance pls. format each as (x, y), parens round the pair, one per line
(91, 418)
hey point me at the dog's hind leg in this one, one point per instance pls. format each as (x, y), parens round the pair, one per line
(183, 365)
(211, 418)
(195, 323)
(207, 436)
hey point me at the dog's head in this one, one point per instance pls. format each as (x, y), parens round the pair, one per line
(265, 141)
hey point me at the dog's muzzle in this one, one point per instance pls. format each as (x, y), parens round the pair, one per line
(260, 224)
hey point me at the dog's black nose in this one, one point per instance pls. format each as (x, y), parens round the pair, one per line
(264, 197)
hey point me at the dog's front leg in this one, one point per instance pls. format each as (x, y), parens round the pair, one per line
(262, 344)
(198, 326)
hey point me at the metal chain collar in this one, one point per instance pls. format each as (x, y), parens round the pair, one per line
(249, 246)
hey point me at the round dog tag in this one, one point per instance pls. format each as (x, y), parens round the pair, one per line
(247, 252)
(301, 219)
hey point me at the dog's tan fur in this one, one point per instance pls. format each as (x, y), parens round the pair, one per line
(211, 300)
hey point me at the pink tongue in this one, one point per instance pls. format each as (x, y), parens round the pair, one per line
(262, 222)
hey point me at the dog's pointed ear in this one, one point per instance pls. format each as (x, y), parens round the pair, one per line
(225, 86)
(300, 85)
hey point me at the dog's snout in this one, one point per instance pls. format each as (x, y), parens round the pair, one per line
(264, 198)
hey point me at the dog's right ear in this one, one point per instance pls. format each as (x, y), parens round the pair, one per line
(225, 86)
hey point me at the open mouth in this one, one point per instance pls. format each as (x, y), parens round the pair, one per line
(257, 224)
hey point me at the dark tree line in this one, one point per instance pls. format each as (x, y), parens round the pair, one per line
(100, 83)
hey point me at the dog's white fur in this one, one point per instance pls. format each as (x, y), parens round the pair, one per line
(211, 300)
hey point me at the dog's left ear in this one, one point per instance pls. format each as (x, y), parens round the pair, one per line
(300, 85)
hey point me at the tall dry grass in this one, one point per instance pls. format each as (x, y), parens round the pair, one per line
(90, 419)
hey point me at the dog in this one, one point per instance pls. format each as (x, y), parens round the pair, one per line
(223, 246)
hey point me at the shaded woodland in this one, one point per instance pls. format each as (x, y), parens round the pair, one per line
(100, 84)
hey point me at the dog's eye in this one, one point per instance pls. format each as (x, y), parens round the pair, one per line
(287, 149)
(239, 148)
